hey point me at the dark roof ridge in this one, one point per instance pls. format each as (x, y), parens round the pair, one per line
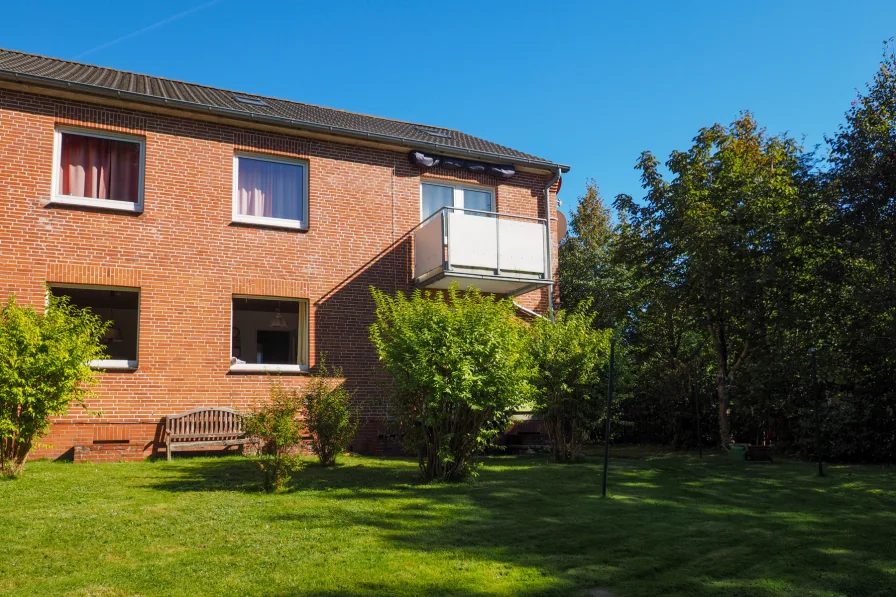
(93, 78)
(233, 91)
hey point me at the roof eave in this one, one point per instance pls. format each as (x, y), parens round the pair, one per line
(276, 120)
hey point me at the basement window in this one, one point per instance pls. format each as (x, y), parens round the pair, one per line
(98, 169)
(269, 335)
(120, 307)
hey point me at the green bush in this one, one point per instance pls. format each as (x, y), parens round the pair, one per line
(278, 428)
(569, 356)
(458, 363)
(329, 415)
(43, 369)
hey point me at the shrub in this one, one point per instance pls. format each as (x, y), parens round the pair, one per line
(458, 363)
(569, 355)
(278, 428)
(43, 369)
(329, 415)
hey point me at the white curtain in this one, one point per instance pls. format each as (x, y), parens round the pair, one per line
(270, 189)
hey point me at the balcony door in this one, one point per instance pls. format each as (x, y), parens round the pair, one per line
(436, 196)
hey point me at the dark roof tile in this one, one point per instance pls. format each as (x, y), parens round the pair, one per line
(146, 88)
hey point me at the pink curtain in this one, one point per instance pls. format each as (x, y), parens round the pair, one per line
(99, 168)
(270, 189)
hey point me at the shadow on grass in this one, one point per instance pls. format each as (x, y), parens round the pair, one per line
(242, 474)
(672, 526)
(208, 474)
(443, 590)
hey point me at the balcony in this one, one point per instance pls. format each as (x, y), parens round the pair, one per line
(497, 253)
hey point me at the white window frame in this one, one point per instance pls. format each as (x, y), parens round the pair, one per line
(107, 364)
(458, 195)
(109, 204)
(304, 338)
(263, 220)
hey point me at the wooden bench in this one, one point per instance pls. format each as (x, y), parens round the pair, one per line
(204, 427)
(755, 452)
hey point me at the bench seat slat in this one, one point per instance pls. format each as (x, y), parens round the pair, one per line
(186, 436)
(225, 443)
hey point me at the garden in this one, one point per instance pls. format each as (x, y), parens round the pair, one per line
(673, 524)
(747, 300)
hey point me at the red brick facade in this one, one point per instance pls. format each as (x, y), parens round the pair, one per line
(188, 258)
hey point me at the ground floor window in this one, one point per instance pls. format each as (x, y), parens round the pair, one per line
(121, 307)
(269, 334)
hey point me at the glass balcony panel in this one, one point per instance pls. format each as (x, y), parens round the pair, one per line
(502, 253)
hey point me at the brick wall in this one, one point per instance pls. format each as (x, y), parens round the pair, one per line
(188, 258)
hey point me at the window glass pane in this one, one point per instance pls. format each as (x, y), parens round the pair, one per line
(270, 189)
(99, 168)
(480, 200)
(268, 332)
(117, 306)
(436, 197)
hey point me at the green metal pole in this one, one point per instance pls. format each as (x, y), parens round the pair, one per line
(817, 395)
(603, 492)
(697, 410)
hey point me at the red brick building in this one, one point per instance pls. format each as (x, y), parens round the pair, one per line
(231, 237)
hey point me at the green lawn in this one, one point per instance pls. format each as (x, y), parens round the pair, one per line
(674, 525)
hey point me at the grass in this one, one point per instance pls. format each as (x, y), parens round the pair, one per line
(674, 525)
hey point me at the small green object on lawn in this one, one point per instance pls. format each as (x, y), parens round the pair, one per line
(738, 452)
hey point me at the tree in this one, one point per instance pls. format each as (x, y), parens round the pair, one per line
(458, 364)
(43, 369)
(718, 235)
(858, 353)
(278, 427)
(329, 415)
(587, 271)
(569, 356)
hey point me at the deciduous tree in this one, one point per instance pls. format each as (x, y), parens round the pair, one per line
(714, 235)
(44, 369)
(569, 356)
(459, 364)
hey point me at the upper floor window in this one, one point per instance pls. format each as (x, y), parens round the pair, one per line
(98, 169)
(270, 191)
(436, 196)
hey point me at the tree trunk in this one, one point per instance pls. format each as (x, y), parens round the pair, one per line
(721, 344)
(12, 457)
(724, 423)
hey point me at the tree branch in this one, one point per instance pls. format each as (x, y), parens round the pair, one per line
(740, 359)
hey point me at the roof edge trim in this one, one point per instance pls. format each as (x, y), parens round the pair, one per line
(248, 116)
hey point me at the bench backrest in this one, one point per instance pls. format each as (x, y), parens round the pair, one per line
(208, 422)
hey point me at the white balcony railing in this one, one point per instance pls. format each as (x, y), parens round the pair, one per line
(499, 253)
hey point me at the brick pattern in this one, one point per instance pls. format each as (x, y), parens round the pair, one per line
(188, 259)
(67, 273)
(271, 144)
(270, 287)
(107, 453)
(99, 118)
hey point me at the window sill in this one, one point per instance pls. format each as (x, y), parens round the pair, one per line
(113, 365)
(269, 222)
(255, 368)
(110, 204)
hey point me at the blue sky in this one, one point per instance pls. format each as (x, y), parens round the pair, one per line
(589, 84)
